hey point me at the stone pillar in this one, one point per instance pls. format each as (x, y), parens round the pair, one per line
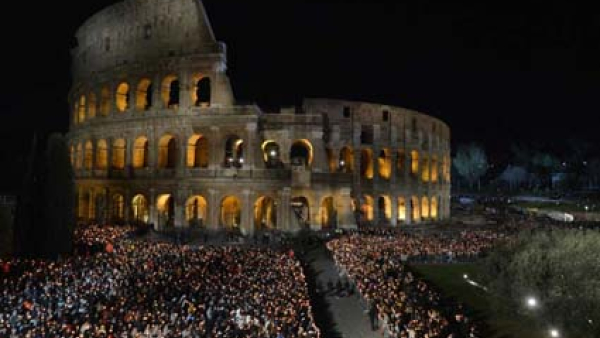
(320, 163)
(284, 211)
(407, 202)
(185, 91)
(129, 145)
(181, 156)
(247, 227)
(152, 210)
(157, 102)
(345, 214)
(315, 212)
(109, 155)
(127, 212)
(394, 219)
(216, 148)
(180, 199)
(214, 206)
(249, 147)
(394, 166)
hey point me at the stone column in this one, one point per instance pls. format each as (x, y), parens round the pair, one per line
(247, 208)
(216, 148)
(127, 212)
(152, 210)
(157, 102)
(185, 91)
(129, 145)
(344, 206)
(181, 156)
(214, 206)
(394, 166)
(407, 203)
(284, 211)
(394, 219)
(180, 199)
(249, 146)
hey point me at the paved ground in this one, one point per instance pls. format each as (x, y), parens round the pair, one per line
(347, 314)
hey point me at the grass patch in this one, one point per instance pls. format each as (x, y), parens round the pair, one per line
(449, 279)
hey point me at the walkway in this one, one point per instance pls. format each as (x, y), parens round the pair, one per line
(347, 314)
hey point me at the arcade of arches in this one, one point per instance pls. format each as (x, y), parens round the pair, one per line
(261, 213)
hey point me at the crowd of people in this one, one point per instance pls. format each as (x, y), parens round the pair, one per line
(399, 303)
(126, 288)
(428, 246)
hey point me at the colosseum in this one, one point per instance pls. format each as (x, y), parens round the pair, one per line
(156, 136)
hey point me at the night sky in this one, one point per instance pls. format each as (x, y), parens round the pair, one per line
(494, 72)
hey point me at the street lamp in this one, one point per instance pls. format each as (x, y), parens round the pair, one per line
(532, 302)
(273, 153)
(554, 333)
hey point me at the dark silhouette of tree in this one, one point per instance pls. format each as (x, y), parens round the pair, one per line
(26, 239)
(59, 198)
(45, 216)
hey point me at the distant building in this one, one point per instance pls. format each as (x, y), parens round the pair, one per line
(156, 136)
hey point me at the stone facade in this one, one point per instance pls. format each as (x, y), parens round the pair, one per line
(156, 137)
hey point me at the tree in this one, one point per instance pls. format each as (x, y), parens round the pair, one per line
(59, 198)
(471, 163)
(45, 215)
(544, 164)
(514, 176)
(560, 268)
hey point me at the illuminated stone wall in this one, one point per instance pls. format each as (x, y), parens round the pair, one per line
(159, 139)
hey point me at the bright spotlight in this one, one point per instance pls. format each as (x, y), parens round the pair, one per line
(465, 276)
(273, 153)
(532, 302)
(554, 333)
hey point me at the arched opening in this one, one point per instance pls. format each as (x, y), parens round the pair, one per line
(117, 208)
(234, 152)
(384, 161)
(88, 156)
(401, 209)
(434, 169)
(170, 92)
(195, 211)
(366, 208)
(139, 209)
(92, 106)
(424, 207)
(414, 167)
(165, 205)
(140, 153)
(101, 154)
(167, 152)
(366, 164)
(346, 160)
(105, 101)
(271, 154)
(433, 208)
(384, 207)
(197, 152)
(331, 160)
(328, 213)
(81, 108)
(231, 212)
(414, 207)
(265, 214)
(79, 157)
(122, 97)
(201, 92)
(301, 209)
(425, 168)
(301, 153)
(400, 163)
(118, 154)
(144, 95)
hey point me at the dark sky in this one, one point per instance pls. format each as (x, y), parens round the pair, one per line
(495, 72)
